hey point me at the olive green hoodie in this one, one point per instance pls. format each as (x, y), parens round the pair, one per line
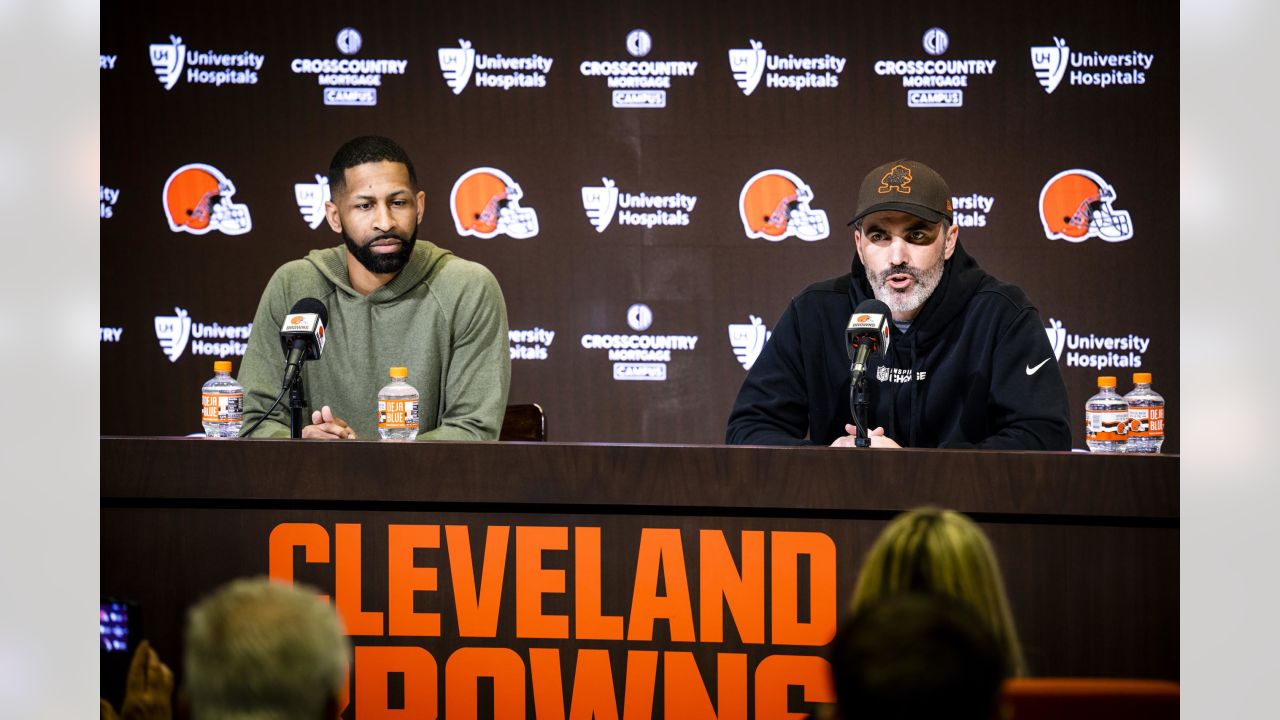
(441, 317)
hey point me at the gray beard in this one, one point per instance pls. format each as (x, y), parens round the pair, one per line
(906, 302)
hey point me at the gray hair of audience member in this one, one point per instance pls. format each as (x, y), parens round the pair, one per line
(914, 656)
(261, 650)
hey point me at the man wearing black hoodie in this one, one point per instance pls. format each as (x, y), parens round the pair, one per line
(969, 364)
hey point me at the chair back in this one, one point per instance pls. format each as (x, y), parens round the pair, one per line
(1091, 699)
(524, 423)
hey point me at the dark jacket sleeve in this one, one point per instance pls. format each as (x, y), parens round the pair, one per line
(771, 408)
(1027, 407)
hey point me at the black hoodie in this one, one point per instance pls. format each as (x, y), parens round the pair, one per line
(974, 370)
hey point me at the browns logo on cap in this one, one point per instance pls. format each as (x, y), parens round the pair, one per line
(906, 186)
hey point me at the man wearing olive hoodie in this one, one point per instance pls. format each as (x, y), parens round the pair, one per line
(392, 301)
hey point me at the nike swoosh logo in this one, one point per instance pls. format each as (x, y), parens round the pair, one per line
(1032, 370)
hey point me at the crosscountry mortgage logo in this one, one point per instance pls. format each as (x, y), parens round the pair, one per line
(639, 83)
(600, 204)
(643, 209)
(461, 64)
(349, 80)
(1050, 63)
(311, 198)
(639, 356)
(170, 58)
(748, 66)
(774, 205)
(748, 340)
(173, 331)
(1097, 352)
(485, 202)
(934, 83)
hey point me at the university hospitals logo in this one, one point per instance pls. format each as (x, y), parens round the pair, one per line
(197, 200)
(1075, 205)
(1057, 337)
(168, 59)
(463, 64)
(789, 72)
(600, 203)
(1096, 352)
(1050, 63)
(1097, 69)
(457, 65)
(203, 67)
(748, 340)
(173, 331)
(311, 198)
(774, 205)
(485, 202)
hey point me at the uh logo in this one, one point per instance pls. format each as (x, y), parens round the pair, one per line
(600, 203)
(457, 65)
(311, 198)
(1057, 337)
(1050, 63)
(168, 59)
(173, 332)
(747, 65)
(748, 340)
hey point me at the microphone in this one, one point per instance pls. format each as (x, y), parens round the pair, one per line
(867, 334)
(302, 336)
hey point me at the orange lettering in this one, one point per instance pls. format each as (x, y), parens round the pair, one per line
(287, 536)
(421, 678)
(404, 579)
(347, 592)
(548, 683)
(589, 624)
(821, 626)
(719, 578)
(533, 581)
(661, 548)
(477, 607)
(642, 681)
(466, 665)
(776, 673)
(685, 695)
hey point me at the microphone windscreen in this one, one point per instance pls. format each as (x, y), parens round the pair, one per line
(313, 306)
(871, 305)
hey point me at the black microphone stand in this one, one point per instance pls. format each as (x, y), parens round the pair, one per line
(297, 405)
(858, 406)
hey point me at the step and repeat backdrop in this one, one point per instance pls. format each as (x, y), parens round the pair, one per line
(632, 141)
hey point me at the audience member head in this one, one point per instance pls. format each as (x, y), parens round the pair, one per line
(913, 656)
(264, 650)
(942, 552)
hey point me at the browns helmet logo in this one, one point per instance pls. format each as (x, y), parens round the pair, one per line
(485, 202)
(197, 199)
(774, 205)
(1075, 205)
(898, 178)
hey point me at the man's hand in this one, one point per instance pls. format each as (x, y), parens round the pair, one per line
(877, 438)
(148, 690)
(327, 426)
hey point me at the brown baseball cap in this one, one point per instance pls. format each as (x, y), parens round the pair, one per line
(906, 186)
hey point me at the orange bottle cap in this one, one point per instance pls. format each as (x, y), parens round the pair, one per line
(1106, 381)
(1144, 378)
(399, 372)
(222, 366)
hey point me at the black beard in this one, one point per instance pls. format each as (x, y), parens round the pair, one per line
(382, 263)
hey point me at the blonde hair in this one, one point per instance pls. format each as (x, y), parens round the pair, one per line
(941, 552)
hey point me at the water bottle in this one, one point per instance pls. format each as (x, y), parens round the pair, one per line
(1146, 411)
(1106, 419)
(398, 408)
(222, 403)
